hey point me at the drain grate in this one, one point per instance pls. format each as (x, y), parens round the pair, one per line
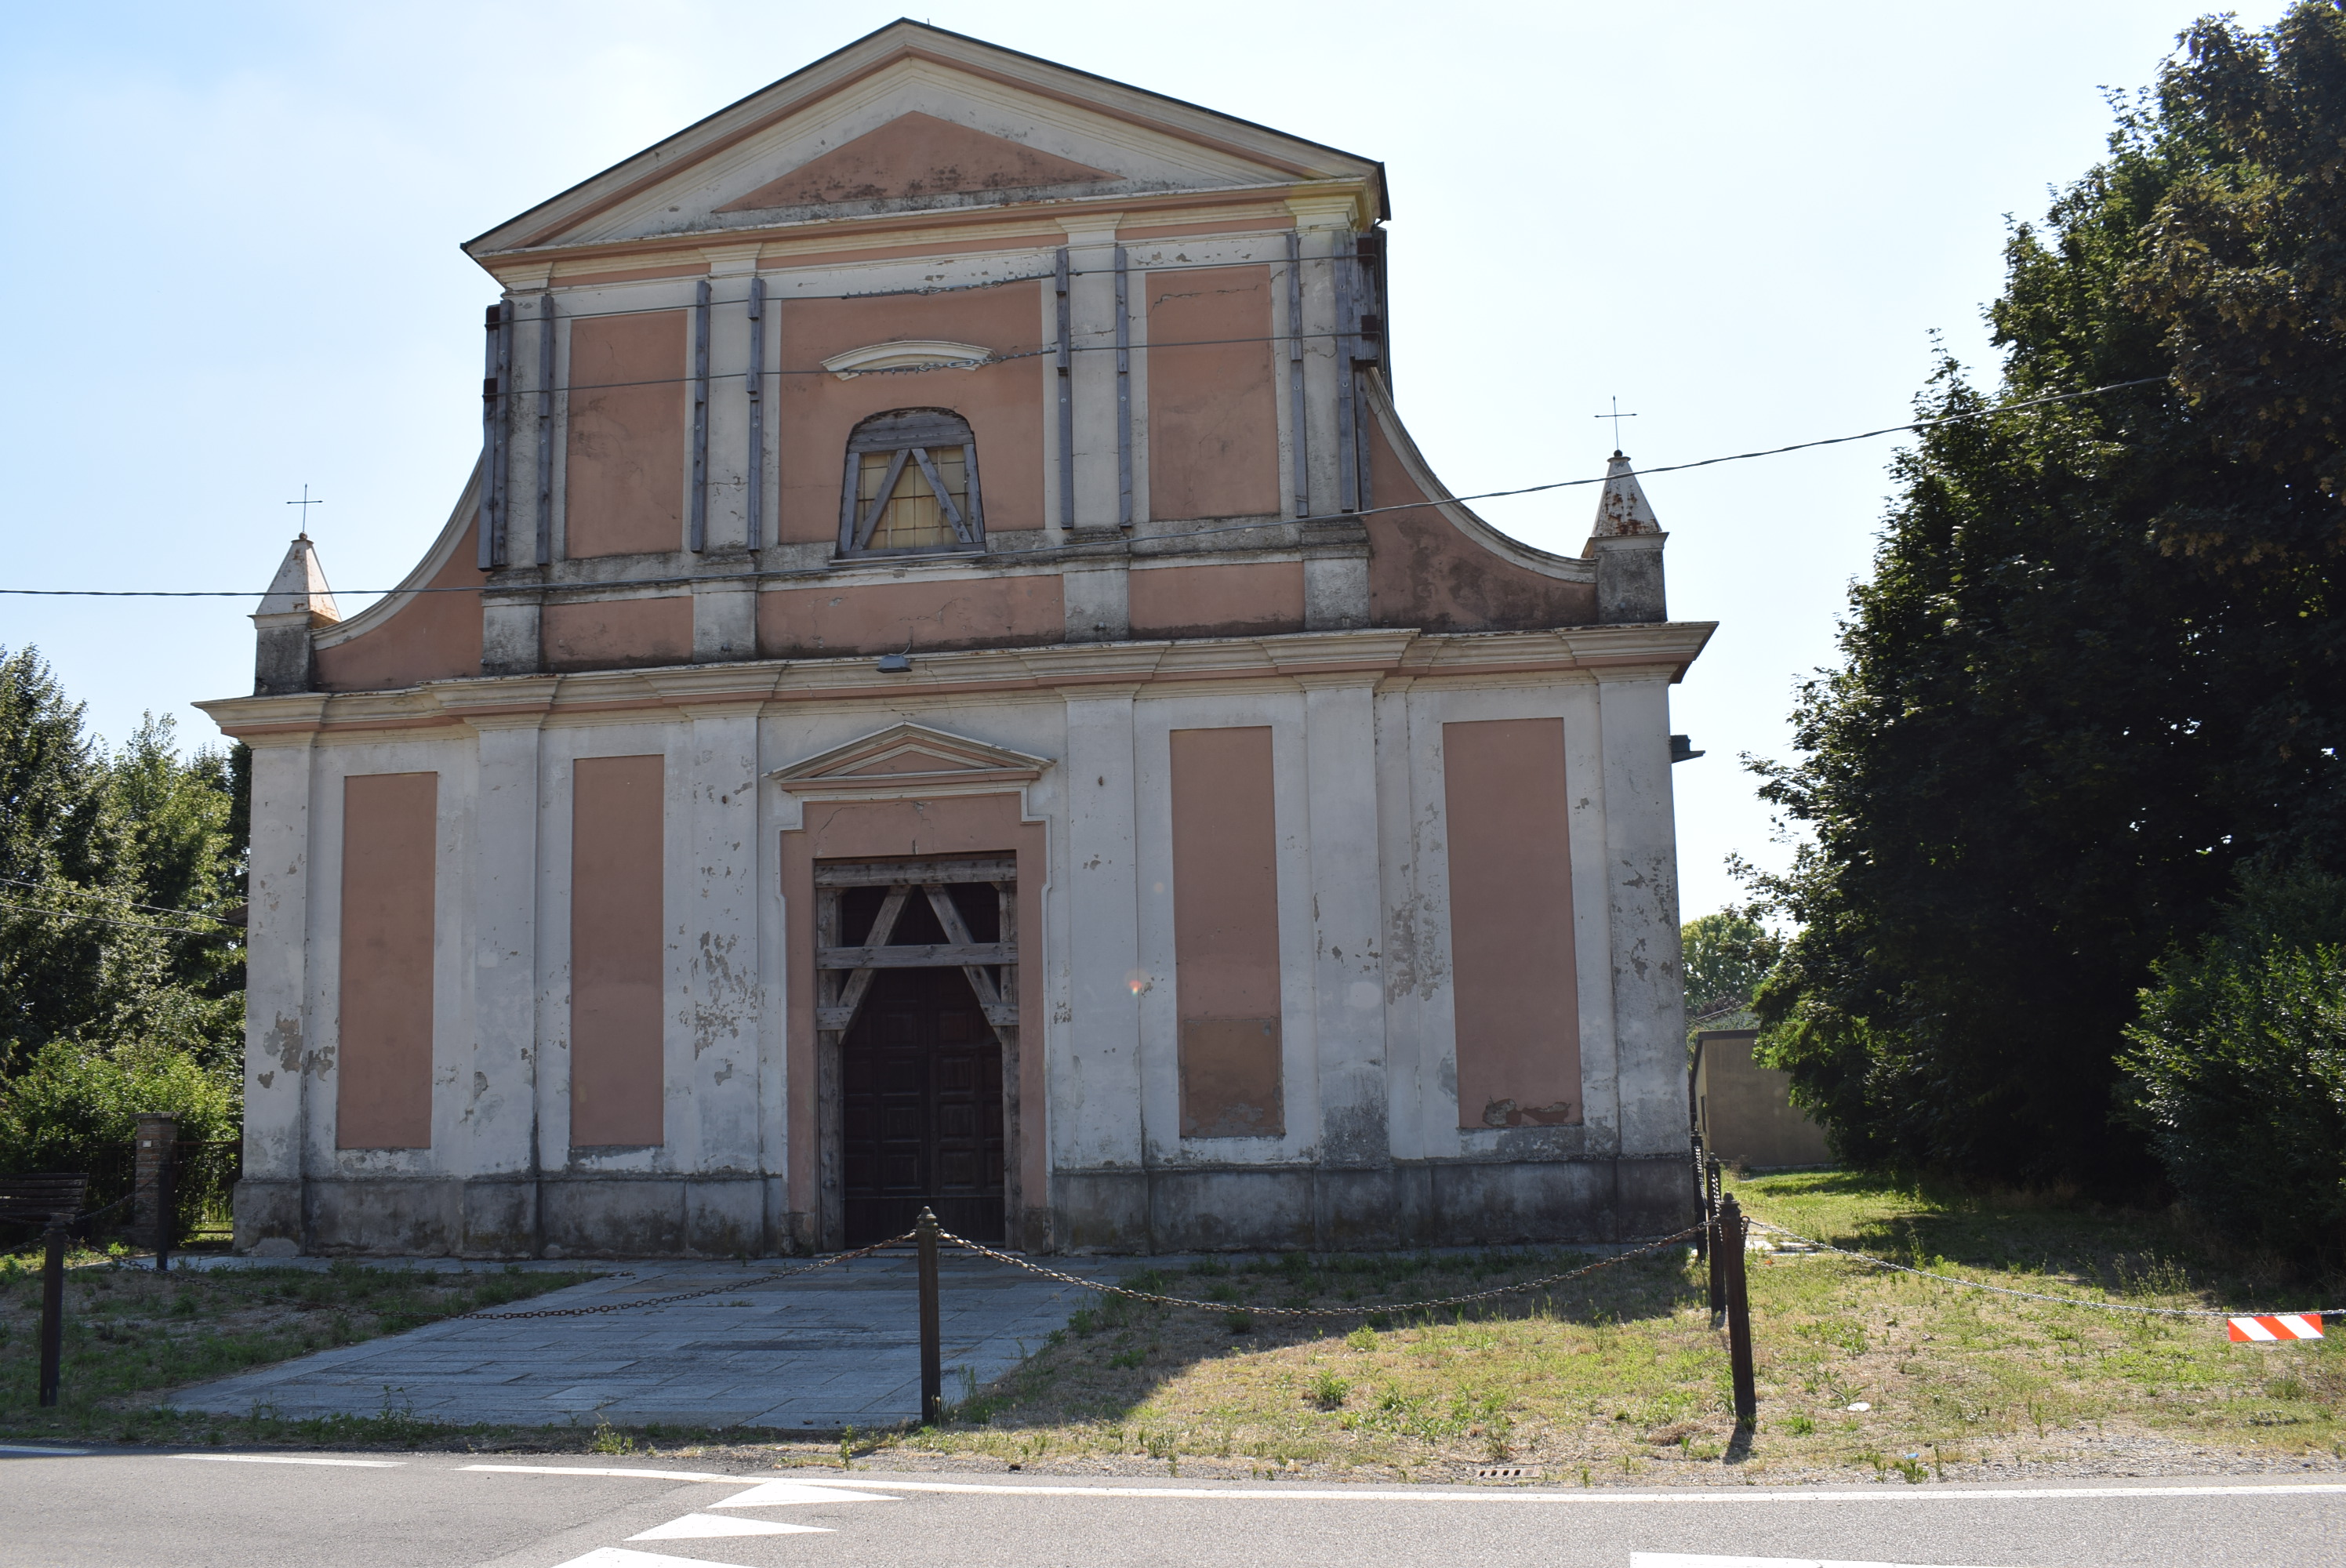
(1501, 1472)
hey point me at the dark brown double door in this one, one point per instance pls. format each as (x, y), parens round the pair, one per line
(920, 1074)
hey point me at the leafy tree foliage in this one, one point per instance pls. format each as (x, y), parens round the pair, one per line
(1726, 955)
(2099, 665)
(115, 970)
(2239, 1067)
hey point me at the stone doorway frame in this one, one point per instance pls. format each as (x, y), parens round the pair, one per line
(844, 977)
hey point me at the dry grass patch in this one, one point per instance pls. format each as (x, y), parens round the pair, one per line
(131, 1335)
(1621, 1377)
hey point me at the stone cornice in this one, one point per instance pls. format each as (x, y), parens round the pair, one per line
(1075, 670)
(803, 242)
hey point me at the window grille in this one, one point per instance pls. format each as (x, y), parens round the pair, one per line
(911, 486)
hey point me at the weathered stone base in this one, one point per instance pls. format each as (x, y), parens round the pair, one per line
(1425, 1203)
(517, 1217)
(1189, 1209)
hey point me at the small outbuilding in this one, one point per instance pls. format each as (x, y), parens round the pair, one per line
(1744, 1111)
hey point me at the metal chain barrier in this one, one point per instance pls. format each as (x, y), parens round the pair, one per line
(2030, 1294)
(136, 1192)
(1355, 1310)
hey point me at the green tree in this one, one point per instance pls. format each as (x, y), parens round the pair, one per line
(63, 842)
(2238, 1067)
(2098, 663)
(115, 865)
(1726, 955)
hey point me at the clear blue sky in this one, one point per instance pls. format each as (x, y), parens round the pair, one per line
(232, 232)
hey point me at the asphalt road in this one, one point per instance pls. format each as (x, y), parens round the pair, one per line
(126, 1510)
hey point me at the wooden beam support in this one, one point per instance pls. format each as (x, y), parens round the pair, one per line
(912, 955)
(914, 873)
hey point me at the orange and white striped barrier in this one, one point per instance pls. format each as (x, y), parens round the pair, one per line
(2280, 1326)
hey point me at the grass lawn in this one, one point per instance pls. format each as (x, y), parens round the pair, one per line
(1617, 1378)
(131, 1335)
(1620, 1378)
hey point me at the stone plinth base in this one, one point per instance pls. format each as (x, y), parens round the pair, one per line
(1186, 1209)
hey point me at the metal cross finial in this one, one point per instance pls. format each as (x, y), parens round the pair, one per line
(305, 504)
(1617, 416)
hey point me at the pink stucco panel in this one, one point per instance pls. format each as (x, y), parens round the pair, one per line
(1243, 599)
(382, 1098)
(1511, 952)
(615, 954)
(618, 633)
(1213, 413)
(1225, 932)
(433, 637)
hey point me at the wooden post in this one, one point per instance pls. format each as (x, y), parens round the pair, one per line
(933, 1373)
(157, 1131)
(53, 1307)
(1730, 1241)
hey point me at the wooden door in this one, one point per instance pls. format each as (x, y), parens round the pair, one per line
(921, 1109)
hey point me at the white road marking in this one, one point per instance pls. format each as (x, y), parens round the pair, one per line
(1680, 1560)
(601, 1469)
(696, 1526)
(776, 1493)
(29, 1451)
(1720, 1494)
(620, 1557)
(295, 1458)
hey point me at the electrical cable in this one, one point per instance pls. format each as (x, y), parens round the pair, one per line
(104, 897)
(109, 920)
(1119, 539)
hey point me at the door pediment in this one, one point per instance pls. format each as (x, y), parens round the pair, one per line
(909, 758)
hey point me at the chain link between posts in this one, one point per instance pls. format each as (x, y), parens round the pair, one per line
(1353, 1310)
(1775, 1229)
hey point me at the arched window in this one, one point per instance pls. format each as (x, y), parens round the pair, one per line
(911, 485)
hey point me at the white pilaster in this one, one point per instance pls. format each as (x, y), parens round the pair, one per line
(1091, 299)
(1322, 226)
(731, 267)
(276, 996)
(1642, 875)
(499, 1094)
(1347, 903)
(1406, 1062)
(720, 927)
(1096, 1072)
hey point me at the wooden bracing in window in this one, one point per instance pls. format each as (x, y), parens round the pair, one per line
(928, 442)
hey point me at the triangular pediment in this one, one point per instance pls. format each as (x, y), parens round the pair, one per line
(907, 756)
(915, 118)
(916, 155)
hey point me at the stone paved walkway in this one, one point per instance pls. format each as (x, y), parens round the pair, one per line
(820, 1351)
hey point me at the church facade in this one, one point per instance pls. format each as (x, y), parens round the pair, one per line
(950, 684)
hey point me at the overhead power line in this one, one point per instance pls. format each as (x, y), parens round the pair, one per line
(1141, 542)
(81, 892)
(46, 910)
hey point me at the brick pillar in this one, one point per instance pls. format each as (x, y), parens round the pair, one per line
(158, 1131)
